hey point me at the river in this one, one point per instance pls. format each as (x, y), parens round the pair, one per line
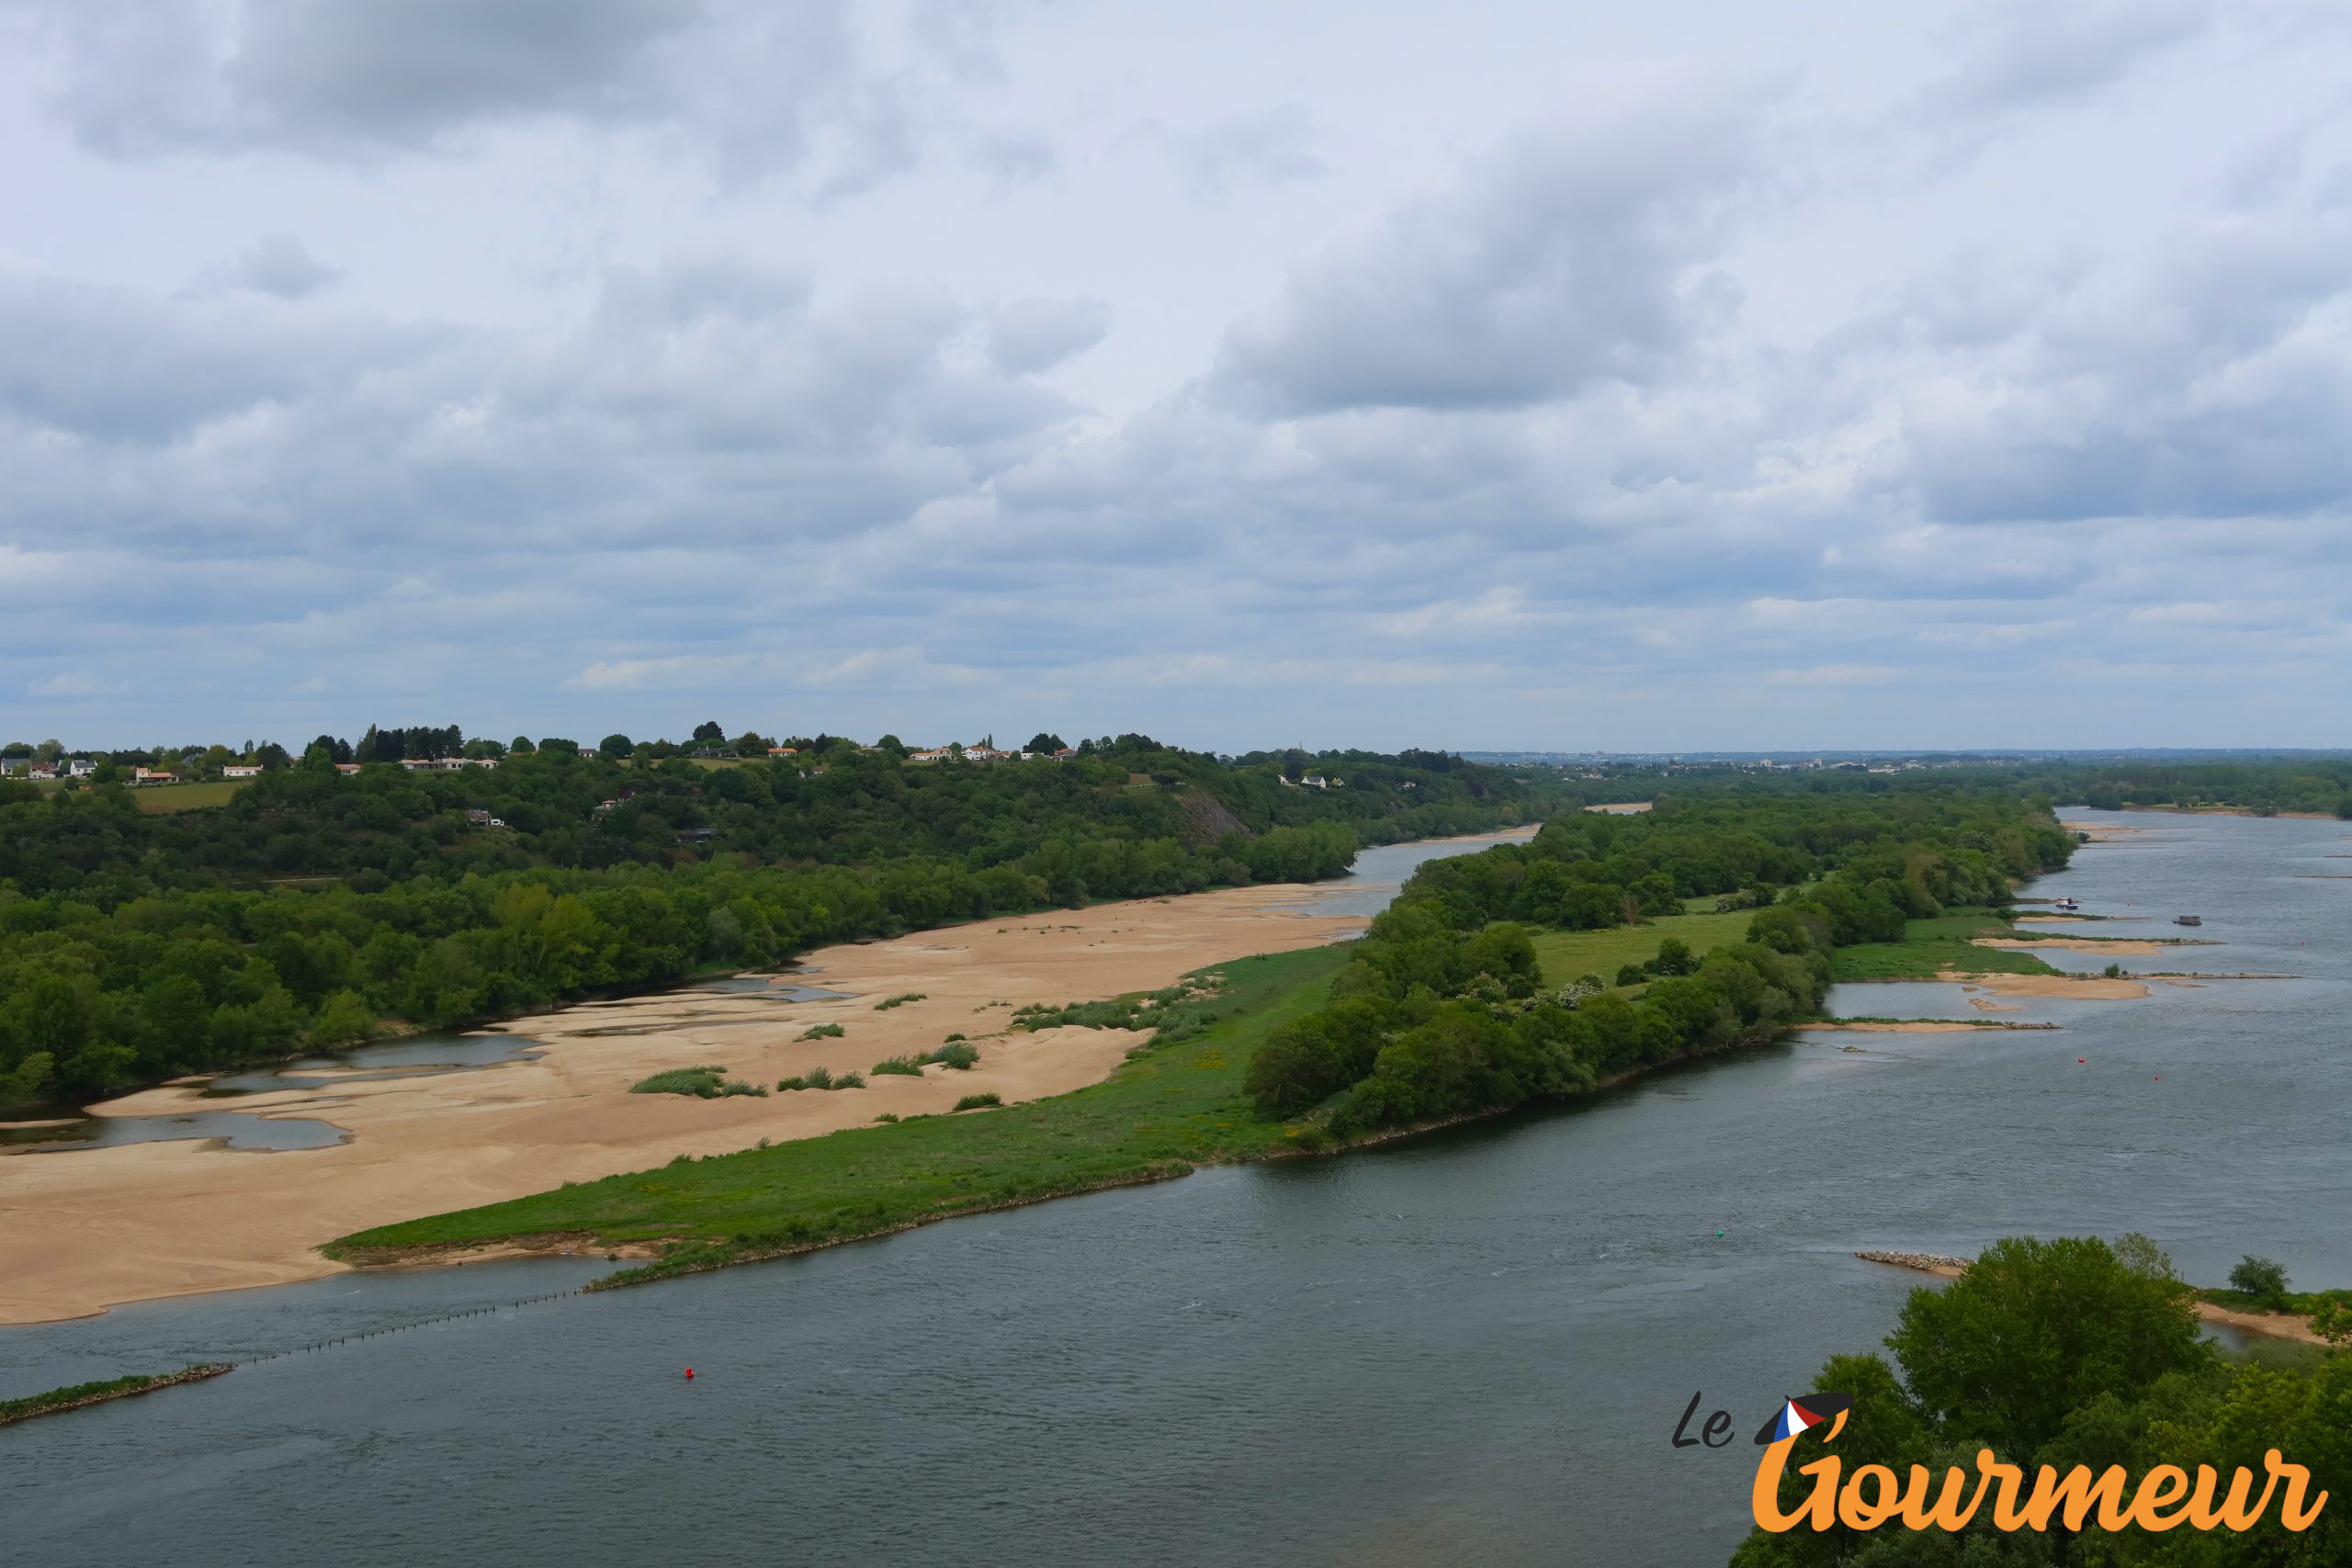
(1469, 1348)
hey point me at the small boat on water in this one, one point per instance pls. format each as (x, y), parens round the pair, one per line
(2064, 906)
(2189, 919)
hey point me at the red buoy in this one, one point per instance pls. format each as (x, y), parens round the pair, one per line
(690, 1374)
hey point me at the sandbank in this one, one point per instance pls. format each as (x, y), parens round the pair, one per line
(85, 1230)
(1899, 1026)
(2079, 987)
(2101, 832)
(2134, 946)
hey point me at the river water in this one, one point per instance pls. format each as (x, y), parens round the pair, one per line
(1471, 1348)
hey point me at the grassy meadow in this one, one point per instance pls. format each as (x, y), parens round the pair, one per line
(162, 800)
(1567, 955)
(1931, 945)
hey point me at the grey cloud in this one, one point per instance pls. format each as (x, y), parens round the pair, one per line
(1028, 336)
(372, 72)
(709, 396)
(2024, 55)
(278, 266)
(148, 76)
(1562, 263)
(1276, 147)
(2212, 383)
(1012, 157)
(752, 88)
(2273, 447)
(116, 366)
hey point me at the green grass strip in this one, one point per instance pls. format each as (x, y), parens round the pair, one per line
(58, 1400)
(1159, 1115)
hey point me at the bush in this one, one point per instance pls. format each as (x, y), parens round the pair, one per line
(959, 1056)
(979, 1102)
(888, 1116)
(901, 999)
(2259, 1278)
(704, 1083)
(815, 1077)
(850, 1080)
(1631, 975)
(823, 1031)
(900, 1067)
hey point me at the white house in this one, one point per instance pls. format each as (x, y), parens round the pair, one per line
(154, 776)
(240, 771)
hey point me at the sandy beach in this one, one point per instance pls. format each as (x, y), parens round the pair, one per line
(85, 1230)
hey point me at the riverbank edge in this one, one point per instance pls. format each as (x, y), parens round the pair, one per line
(40, 1404)
(706, 1254)
(2270, 1324)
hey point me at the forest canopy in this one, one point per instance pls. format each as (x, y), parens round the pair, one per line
(319, 908)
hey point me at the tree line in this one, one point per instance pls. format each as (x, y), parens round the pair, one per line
(317, 908)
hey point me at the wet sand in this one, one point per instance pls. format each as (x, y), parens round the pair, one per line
(85, 1230)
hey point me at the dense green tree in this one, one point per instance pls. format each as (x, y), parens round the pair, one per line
(2260, 1277)
(2036, 1329)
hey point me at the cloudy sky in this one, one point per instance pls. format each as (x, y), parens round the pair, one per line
(1494, 374)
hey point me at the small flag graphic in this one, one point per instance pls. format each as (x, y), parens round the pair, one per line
(1805, 1411)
